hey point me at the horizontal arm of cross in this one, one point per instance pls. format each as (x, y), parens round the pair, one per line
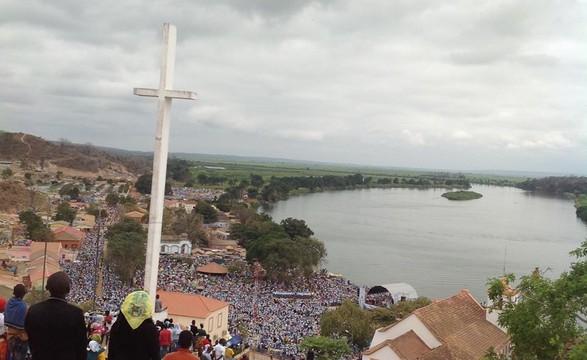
(176, 94)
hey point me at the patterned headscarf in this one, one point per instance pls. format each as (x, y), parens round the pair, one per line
(137, 307)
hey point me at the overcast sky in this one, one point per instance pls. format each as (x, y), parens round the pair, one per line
(461, 85)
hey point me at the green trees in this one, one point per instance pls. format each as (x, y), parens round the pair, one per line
(280, 254)
(190, 224)
(256, 227)
(36, 229)
(582, 213)
(179, 170)
(282, 257)
(383, 317)
(207, 211)
(65, 213)
(144, 182)
(348, 321)
(296, 227)
(326, 348)
(93, 209)
(70, 190)
(257, 180)
(126, 248)
(112, 199)
(547, 320)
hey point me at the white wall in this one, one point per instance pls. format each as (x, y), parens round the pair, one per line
(410, 323)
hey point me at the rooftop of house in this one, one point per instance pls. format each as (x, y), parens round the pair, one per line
(190, 305)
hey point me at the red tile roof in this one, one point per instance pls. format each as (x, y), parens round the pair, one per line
(68, 233)
(213, 268)
(38, 249)
(408, 346)
(448, 316)
(191, 305)
(134, 214)
(459, 322)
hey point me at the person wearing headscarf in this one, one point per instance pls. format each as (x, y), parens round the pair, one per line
(56, 329)
(94, 350)
(134, 335)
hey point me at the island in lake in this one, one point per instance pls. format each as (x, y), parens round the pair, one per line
(462, 195)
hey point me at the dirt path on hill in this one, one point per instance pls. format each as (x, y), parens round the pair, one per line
(27, 144)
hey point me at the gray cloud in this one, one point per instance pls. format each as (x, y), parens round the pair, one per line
(459, 85)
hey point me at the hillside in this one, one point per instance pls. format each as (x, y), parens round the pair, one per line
(32, 153)
(15, 197)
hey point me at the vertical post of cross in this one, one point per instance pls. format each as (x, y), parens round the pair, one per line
(164, 94)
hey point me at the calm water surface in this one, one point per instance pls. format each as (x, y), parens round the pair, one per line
(380, 236)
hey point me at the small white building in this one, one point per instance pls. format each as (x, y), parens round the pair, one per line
(172, 244)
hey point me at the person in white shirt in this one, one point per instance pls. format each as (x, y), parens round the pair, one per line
(219, 350)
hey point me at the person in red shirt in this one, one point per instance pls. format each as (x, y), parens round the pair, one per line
(183, 353)
(164, 341)
(107, 325)
(206, 341)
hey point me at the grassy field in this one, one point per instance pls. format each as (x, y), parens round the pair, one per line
(237, 168)
(243, 170)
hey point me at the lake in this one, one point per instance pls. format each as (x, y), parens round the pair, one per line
(381, 236)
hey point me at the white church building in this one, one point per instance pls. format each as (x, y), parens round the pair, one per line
(175, 245)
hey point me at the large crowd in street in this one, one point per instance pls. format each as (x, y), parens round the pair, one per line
(273, 323)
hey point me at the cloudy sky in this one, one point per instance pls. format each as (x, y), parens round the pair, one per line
(461, 85)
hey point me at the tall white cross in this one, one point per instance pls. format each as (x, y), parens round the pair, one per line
(164, 93)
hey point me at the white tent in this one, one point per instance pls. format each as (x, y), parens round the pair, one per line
(397, 291)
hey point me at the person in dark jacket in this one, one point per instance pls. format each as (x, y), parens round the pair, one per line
(55, 328)
(134, 335)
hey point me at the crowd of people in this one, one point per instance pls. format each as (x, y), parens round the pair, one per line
(276, 324)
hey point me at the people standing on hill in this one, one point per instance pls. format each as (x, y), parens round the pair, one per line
(134, 335)
(159, 304)
(107, 325)
(56, 329)
(183, 353)
(207, 353)
(229, 353)
(201, 336)
(164, 341)
(219, 350)
(95, 351)
(207, 341)
(195, 332)
(14, 316)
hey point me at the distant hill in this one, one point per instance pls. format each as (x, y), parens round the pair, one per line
(37, 154)
(95, 158)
